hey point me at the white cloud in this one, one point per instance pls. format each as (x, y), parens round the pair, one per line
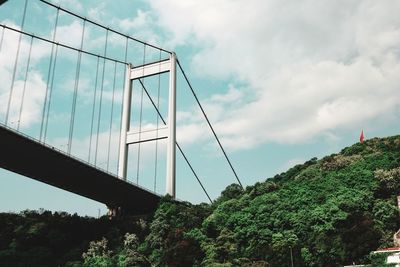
(74, 4)
(231, 96)
(142, 18)
(141, 26)
(35, 85)
(189, 133)
(98, 12)
(313, 66)
(71, 34)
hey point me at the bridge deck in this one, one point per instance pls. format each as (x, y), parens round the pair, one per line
(30, 158)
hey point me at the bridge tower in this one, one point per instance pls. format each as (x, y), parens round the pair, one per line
(129, 137)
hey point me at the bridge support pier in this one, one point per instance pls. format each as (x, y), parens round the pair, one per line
(114, 212)
(128, 137)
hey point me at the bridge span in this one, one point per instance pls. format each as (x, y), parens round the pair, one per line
(31, 158)
(117, 93)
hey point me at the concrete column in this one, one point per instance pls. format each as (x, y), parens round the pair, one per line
(171, 149)
(126, 114)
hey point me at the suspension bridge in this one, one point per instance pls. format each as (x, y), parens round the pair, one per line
(82, 144)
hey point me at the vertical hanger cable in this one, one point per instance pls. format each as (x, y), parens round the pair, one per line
(122, 101)
(112, 114)
(158, 122)
(101, 98)
(140, 118)
(48, 75)
(24, 88)
(15, 64)
(2, 38)
(50, 94)
(93, 108)
(76, 87)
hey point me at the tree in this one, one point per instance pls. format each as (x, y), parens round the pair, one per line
(167, 242)
(130, 256)
(97, 254)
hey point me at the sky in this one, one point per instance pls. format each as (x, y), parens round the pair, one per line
(281, 81)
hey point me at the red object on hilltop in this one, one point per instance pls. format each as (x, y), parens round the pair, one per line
(362, 137)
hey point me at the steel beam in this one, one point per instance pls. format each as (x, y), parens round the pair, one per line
(148, 135)
(151, 69)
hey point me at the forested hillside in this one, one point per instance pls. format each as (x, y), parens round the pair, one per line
(326, 212)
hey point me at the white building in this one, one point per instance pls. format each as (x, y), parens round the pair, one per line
(394, 258)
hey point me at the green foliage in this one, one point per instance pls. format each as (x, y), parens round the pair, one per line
(379, 260)
(230, 192)
(169, 241)
(389, 179)
(337, 162)
(130, 255)
(327, 212)
(97, 254)
(332, 211)
(42, 238)
(284, 240)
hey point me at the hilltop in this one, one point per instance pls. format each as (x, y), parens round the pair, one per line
(327, 212)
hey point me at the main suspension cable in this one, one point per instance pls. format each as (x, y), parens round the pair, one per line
(102, 26)
(180, 149)
(63, 45)
(209, 124)
(195, 174)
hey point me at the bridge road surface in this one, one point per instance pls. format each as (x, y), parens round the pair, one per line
(30, 158)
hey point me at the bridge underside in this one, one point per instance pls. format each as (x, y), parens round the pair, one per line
(32, 159)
